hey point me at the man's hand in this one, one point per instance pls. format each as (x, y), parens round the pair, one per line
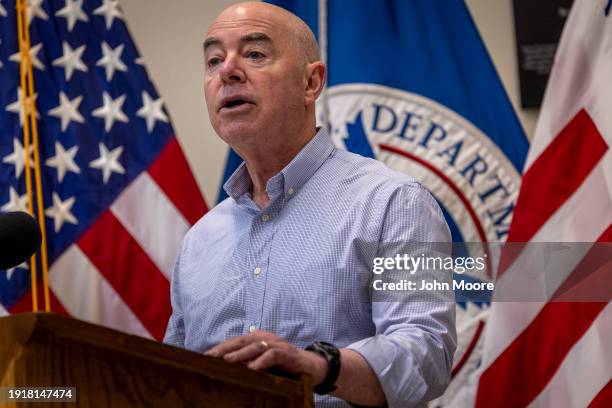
(260, 350)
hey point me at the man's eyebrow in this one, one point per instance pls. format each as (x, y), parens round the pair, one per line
(210, 41)
(249, 38)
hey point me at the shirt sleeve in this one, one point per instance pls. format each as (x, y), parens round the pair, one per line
(412, 351)
(175, 332)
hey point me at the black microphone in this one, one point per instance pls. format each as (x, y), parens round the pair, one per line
(19, 238)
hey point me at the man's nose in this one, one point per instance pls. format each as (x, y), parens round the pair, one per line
(232, 71)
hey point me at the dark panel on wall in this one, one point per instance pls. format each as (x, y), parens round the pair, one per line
(538, 25)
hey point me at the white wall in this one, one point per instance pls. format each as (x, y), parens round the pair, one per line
(495, 22)
(169, 35)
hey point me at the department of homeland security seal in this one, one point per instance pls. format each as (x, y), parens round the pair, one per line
(470, 177)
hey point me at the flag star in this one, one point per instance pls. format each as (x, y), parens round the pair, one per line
(18, 157)
(71, 60)
(16, 202)
(36, 63)
(139, 61)
(23, 265)
(60, 212)
(2, 11)
(151, 111)
(109, 9)
(111, 111)
(73, 12)
(108, 162)
(68, 110)
(111, 60)
(34, 9)
(63, 161)
(17, 106)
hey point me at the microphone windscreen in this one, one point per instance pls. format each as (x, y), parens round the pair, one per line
(19, 238)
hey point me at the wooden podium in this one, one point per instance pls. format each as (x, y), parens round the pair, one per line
(110, 368)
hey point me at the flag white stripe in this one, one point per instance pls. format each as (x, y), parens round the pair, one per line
(3, 311)
(153, 220)
(583, 218)
(86, 295)
(585, 370)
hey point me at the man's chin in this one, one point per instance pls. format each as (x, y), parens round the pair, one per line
(235, 134)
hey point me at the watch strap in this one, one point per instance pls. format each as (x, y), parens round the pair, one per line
(332, 355)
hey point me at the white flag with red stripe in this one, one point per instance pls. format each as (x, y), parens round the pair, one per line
(559, 354)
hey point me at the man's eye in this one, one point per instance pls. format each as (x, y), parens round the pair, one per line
(213, 61)
(255, 55)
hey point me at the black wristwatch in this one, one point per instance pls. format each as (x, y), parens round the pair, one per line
(332, 355)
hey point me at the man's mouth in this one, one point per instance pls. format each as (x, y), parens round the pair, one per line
(234, 104)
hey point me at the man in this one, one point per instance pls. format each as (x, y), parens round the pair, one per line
(278, 266)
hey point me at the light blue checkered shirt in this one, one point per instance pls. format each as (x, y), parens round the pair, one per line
(296, 268)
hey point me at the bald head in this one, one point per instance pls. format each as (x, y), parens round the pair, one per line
(297, 32)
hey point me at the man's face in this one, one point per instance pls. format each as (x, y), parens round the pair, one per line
(254, 82)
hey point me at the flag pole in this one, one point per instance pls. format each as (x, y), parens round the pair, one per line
(26, 139)
(323, 51)
(37, 167)
(30, 111)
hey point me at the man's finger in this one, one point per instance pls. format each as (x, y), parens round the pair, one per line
(270, 358)
(236, 343)
(248, 352)
(284, 358)
(228, 346)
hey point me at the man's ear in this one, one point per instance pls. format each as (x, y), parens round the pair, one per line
(316, 73)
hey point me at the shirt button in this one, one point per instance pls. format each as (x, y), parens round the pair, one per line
(290, 191)
(252, 328)
(265, 218)
(257, 271)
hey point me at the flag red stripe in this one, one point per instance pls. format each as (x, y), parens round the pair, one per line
(171, 172)
(526, 366)
(25, 303)
(603, 397)
(556, 175)
(130, 271)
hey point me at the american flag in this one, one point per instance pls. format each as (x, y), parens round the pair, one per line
(559, 354)
(118, 193)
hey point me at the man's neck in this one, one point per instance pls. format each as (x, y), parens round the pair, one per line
(264, 165)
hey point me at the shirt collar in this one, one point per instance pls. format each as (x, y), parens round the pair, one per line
(293, 176)
(239, 183)
(307, 162)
